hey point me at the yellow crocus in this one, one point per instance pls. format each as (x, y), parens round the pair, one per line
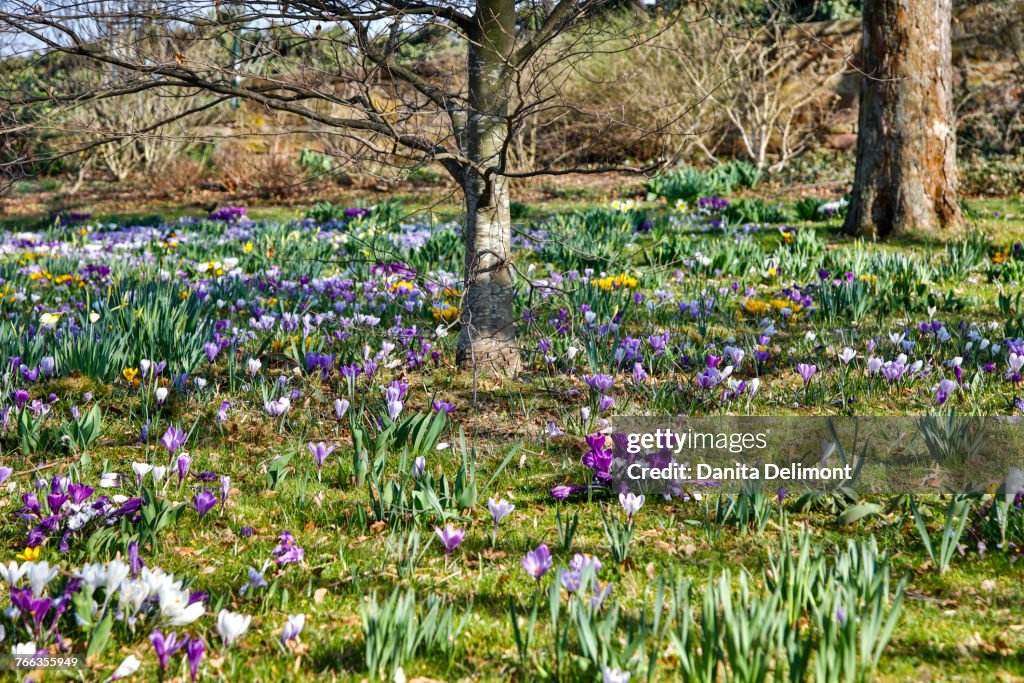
(30, 554)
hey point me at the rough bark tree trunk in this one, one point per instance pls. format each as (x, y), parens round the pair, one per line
(487, 341)
(906, 142)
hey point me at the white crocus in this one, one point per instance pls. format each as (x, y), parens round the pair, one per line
(293, 627)
(174, 607)
(126, 668)
(40, 574)
(133, 593)
(117, 572)
(158, 474)
(93, 575)
(231, 626)
(12, 572)
(141, 469)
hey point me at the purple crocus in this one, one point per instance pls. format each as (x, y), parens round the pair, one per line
(135, 562)
(537, 562)
(5, 473)
(204, 502)
(287, 550)
(943, 390)
(184, 462)
(279, 407)
(166, 646)
(79, 493)
(499, 509)
(256, 580)
(443, 407)
(194, 653)
(806, 371)
(393, 396)
(173, 439)
(450, 536)
(601, 383)
(561, 492)
(222, 411)
(320, 452)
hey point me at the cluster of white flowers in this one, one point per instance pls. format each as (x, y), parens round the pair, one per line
(132, 595)
(39, 575)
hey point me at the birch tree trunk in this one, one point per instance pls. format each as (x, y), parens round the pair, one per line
(487, 340)
(906, 142)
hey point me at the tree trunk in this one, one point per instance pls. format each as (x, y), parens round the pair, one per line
(906, 143)
(487, 341)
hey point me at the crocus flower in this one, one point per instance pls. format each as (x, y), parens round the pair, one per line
(639, 374)
(79, 493)
(161, 395)
(165, 646)
(631, 503)
(128, 666)
(173, 439)
(450, 536)
(204, 502)
(601, 383)
(806, 371)
(256, 580)
(287, 550)
(135, 563)
(340, 408)
(194, 654)
(394, 409)
(222, 411)
(561, 492)
(292, 627)
(943, 390)
(500, 509)
(5, 473)
(419, 466)
(537, 562)
(231, 626)
(320, 452)
(253, 366)
(443, 407)
(279, 407)
(609, 675)
(141, 469)
(225, 486)
(184, 462)
(571, 580)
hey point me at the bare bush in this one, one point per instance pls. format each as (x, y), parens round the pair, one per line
(253, 169)
(714, 84)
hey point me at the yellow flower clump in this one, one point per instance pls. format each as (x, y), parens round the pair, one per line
(755, 307)
(401, 285)
(445, 312)
(613, 282)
